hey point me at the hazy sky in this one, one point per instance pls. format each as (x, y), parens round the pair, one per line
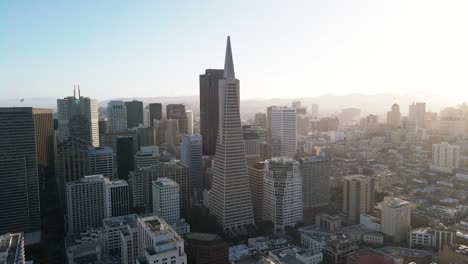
(281, 48)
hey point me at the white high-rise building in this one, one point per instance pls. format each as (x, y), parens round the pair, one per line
(166, 199)
(282, 202)
(85, 203)
(191, 156)
(78, 117)
(146, 117)
(101, 161)
(159, 243)
(117, 116)
(146, 157)
(284, 129)
(230, 198)
(314, 111)
(396, 218)
(190, 121)
(116, 198)
(445, 157)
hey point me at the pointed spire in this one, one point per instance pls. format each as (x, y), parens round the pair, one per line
(228, 62)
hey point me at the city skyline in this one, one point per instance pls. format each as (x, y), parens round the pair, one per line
(338, 47)
(117, 171)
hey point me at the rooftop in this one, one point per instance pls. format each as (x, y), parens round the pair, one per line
(395, 202)
(165, 182)
(203, 236)
(405, 252)
(121, 220)
(356, 177)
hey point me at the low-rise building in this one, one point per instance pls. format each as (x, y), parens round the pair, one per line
(203, 248)
(328, 222)
(12, 248)
(371, 256)
(374, 238)
(423, 236)
(294, 255)
(337, 249)
(409, 255)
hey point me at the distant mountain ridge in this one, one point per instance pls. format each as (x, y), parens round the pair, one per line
(377, 104)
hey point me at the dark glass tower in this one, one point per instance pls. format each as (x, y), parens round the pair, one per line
(155, 112)
(19, 185)
(125, 157)
(177, 111)
(209, 109)
(134, 113)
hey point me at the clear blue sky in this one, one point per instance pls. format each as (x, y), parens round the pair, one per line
(281, 48)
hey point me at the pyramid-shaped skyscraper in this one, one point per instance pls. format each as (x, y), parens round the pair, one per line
(230, 199)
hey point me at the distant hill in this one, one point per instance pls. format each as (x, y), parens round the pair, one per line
(377, 104)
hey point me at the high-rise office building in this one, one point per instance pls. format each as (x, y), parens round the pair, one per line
(85, 203)
(284, 129)
(358, 195)
(445, 157)
(209, 109)
(166, 198)
(117, 116)
(230, 198)
(19, 184)
(125, 157)
(134, 113)
(394, 116)
(166, 134)
(139, 190)
(146, 116)
(101, 161)
(158, 242)
(269, 109)
(116, 198)
(191, 156)
(146, 157)
(260, 120)
(251, 141)
(256, 178)
(179, 173)
(282, 194)
(71, 163)
(417, 113)
(189, 122)
(314, 111)
(177, 111)
(315, 171)
(147, 136)
(396, 218)
(44, 128)
(171, 141)
(155, 113)
(78, 117)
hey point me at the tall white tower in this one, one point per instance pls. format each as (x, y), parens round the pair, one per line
(230, 199)
(284, 129)
(282, 201)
